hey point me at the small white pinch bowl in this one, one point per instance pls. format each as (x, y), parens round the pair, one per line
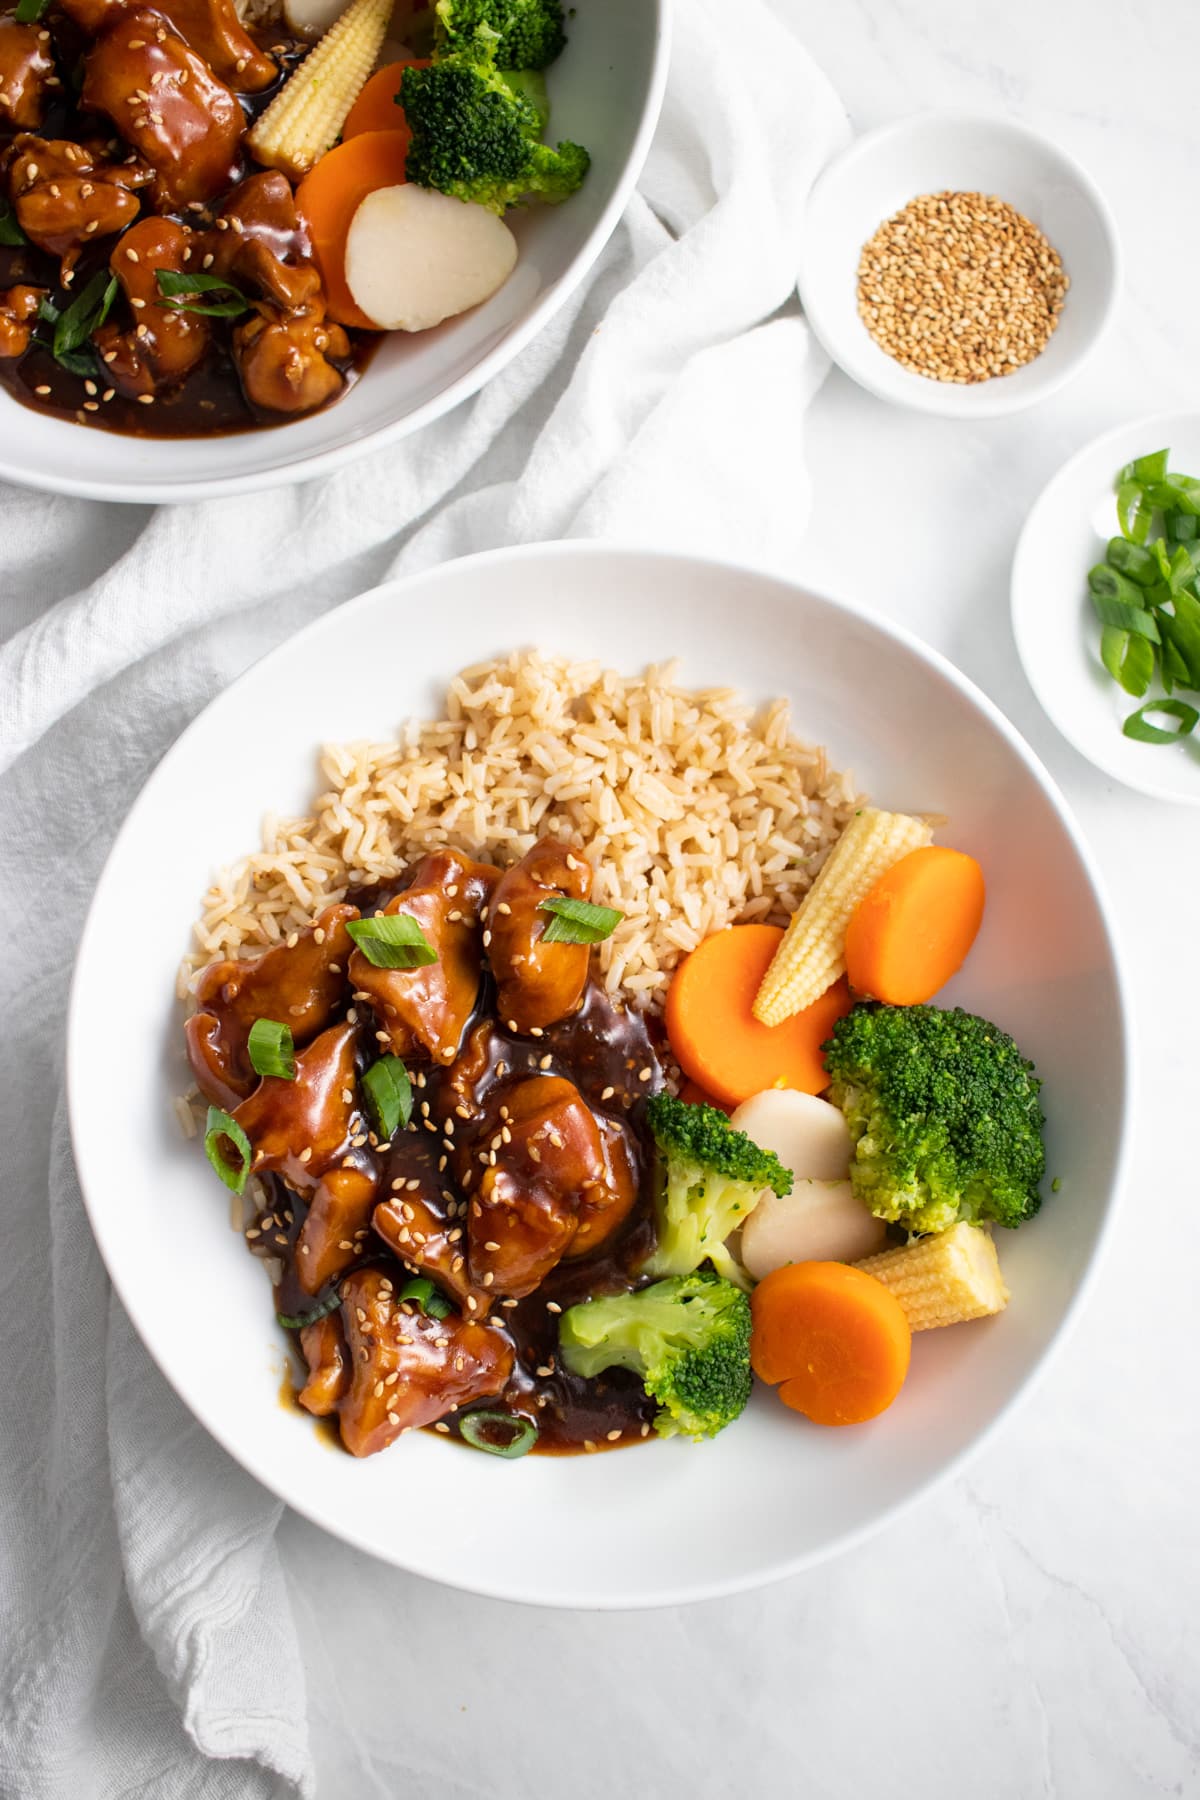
(934, 152)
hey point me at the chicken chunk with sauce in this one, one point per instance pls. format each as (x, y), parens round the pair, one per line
(27, 74)
(338, 1217)
(164, 343)
(428, 1008)
(18, 316)
(408, 1369)
(209, 27)
(165, 100)
(324, 1346)
(301, 1128)
(299, 985)
(65, 196)
(538, 983)
(538, 1169)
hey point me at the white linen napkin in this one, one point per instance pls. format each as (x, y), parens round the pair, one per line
(147, 1643)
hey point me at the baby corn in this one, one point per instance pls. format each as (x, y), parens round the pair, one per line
(945, 1279)
(813, 952)
(308, 112)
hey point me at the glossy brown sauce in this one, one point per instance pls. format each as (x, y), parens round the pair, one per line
(603, 1049)
(209, 401)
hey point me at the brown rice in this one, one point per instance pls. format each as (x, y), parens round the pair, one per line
(696, 811)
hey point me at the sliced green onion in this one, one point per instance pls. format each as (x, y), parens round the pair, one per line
(578, 921)
(271, 1049)
(86, 313)
(392, 941)
(28, 12)
(179, 289)
(1126, 618)
(1128, 659)
(1175, 492)
(1182, 631)
(10, 231)
(1138, 725)
(389, 1096)
(1182, 567)
(522, 1433)
(1133, 511)
(1133, 561)
(222, 1128)
(1181, 527)
(1152, 467)
(297, 1321)
(421, 1290)
(1107, 583)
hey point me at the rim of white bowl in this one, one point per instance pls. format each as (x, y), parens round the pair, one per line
(988, 400)
(692, 1592)
(1045, 692)
(324, 462)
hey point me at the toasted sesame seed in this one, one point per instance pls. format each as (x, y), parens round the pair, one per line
(608, 1093)
(544, 1370)
(645, 1074)
(612, 1436)
(43, 389)
(552, 1306)
(441, 1425)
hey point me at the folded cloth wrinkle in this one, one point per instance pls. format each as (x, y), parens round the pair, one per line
(148, 1643)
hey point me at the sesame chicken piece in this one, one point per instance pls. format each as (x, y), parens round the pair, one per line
(283, 358)
(27, 73)
(163, 344)
(408, 1369)
(328, 1359)
(327, 1242)
(258, 240)
(538, 983)
(18, 315)
(66, 197)
(300, 985)
(428, 1009)
(416, 1229)
(165, 100)
(301, 1128)
(210, 27)
(547, 1172)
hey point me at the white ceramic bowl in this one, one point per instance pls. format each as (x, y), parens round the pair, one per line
(965, 153)
(667, 1521)
(606, 91)
(1057, 633)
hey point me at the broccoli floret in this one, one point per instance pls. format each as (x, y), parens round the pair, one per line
(687, 1337)
(530, 32)
(945, 1116)
(477, 138)
(710, 1180)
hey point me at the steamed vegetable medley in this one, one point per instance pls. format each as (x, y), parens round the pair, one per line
(499, 1201)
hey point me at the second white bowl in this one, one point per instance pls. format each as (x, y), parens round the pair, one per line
(928, 153)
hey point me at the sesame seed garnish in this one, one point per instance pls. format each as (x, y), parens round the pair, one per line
(552, 1306)
(645, 1431)
(132, 255)
(543, 1370)
(612, 1436)
(472, 1303)
(44, 389)
(608, 1093)
(306, 1154)
(645, 1074)
(441, 1425)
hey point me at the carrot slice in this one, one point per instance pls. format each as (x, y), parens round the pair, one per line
(330, 195)
(913, 931)
(717, 1040)
(378, 106)
(833, 1338)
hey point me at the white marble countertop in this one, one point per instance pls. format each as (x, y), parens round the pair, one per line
(1032, 1628)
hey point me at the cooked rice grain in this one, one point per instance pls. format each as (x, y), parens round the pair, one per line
(696, 811)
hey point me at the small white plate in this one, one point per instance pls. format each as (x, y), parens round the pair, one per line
(667, 1521)
(1057, 633)
(929, 153)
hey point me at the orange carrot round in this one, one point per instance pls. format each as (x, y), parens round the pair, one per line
(330, 195)
(378, 106)
(913, 931)
(717, 1041)
(834, 1340)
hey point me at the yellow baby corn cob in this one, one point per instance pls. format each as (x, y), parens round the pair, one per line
(945, 1279)
(306, 115)
(813, 952)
